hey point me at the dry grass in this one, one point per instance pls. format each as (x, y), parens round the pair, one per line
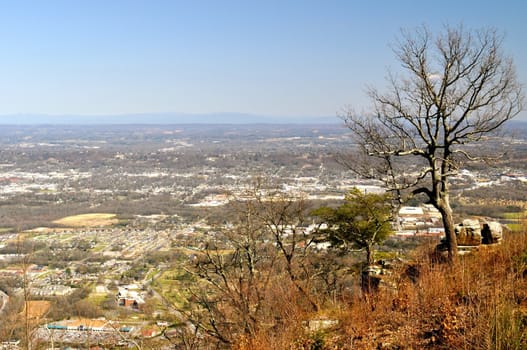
(37, 309)
(88, 220)
(480, 303)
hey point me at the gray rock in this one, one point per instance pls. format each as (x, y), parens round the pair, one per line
(320, 325)
(492, 232)
(468, 233)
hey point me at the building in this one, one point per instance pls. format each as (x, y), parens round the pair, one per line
(128, 297)
(423, 220)
(51, 290)
(89, 325)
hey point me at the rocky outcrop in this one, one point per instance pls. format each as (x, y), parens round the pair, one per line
(468, 233)
(472, 232)
(373, 276)
(491, 232)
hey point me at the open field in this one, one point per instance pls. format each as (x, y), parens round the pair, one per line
(515, 215)
(173, 286)
(516, 221)
(88, 220)
(97, 298)
(519, 227)
(38, 308)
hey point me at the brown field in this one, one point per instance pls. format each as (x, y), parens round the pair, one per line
(88, 220)
(37, 309)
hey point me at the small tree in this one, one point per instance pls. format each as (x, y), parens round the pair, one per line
(457, 88)
(361, 222)
(250, 260)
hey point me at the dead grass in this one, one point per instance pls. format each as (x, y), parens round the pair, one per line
(480, 303)
(37, 309)
(88, 220)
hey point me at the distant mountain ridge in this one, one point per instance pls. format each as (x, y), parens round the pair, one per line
(180, 118)
(163, 118)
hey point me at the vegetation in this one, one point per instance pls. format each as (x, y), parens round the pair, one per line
(361, 222)
(477, 304)
(243, 267)
(262, 284)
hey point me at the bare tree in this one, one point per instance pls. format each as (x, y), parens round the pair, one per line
(456, 88)
(233, 275)
(284, 216)
(261, 249)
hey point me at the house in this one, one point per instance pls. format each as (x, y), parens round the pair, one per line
(10, 345)
(150, 332)
(129, 298)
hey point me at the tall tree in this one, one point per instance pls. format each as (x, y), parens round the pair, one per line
(456, 88)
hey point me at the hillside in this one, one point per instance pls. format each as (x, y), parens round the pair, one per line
(481, 303)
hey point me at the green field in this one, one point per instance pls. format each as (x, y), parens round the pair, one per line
(173, 286)
(515, 215)
(517, 227)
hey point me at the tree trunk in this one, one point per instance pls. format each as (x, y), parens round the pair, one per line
(448, 223)
(369, 255)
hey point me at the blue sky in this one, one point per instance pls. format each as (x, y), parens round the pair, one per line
(278, 58)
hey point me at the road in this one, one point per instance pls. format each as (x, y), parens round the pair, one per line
(4, 298)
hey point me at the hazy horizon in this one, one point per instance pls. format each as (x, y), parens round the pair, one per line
(171, 118)
(163, 118)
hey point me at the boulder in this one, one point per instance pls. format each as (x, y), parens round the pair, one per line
(318, 325)
(468, 233)
(370, 278)
(492, 232)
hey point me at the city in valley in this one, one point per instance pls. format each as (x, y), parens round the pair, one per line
(99, 223)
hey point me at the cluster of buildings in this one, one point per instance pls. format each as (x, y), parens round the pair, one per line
(88, 325)
(424, 220)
